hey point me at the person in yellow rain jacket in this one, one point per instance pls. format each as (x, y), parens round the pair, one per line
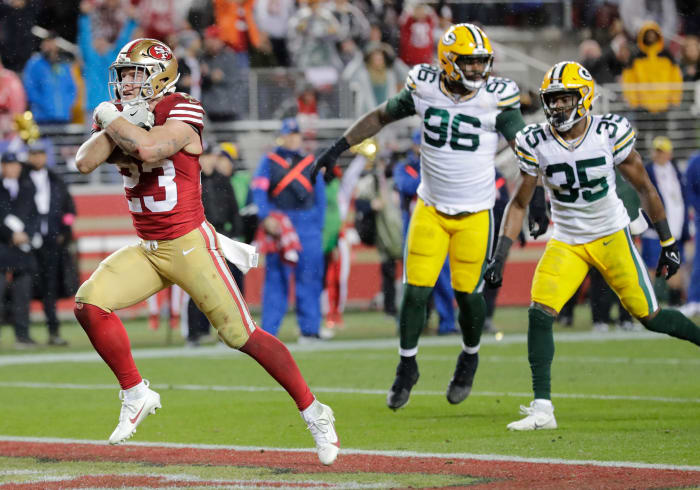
(653, 64)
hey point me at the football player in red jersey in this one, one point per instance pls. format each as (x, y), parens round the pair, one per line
(154, 135)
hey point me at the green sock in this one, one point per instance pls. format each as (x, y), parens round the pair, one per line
(675, 324)
(414, 307)
(472, 313)
(540, 351)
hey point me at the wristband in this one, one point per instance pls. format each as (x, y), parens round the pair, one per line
(339, 147)
(664, 232)
(503, 247)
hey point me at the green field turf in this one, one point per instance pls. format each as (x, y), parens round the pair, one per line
(620, 397)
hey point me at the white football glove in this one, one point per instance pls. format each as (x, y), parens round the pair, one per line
(138, 114)
(105, 114)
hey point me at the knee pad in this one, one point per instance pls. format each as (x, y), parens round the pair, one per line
(232, 334)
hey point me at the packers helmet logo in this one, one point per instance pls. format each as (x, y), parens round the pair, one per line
(159, 52)
(583, 73)
(449, 38)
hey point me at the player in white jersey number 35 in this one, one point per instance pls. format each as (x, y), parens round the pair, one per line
(576, 154)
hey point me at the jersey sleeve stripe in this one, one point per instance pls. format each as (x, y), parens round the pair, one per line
(188, 106)
(523, 150)
(619, 146)
(509, 101)
(186, 119)
(530, 162)
(525, 157)
(176, 112)
(624, 136)
(631, 141)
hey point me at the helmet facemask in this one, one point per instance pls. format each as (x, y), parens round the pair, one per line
(563, 118)
(142, 81)
(471, 80)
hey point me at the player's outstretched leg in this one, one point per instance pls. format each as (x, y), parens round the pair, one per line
(472, 312)
(673, 323)
(108, 336)
(540, 347)
(412, 318)
(274, 356)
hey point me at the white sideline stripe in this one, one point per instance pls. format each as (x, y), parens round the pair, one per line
(396, 454)
(338, 390)
(672, 361)
(330, 346)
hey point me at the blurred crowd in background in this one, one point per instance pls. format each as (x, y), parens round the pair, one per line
(54, 60)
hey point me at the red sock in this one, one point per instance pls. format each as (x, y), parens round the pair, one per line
(274, 356)
(108, 336)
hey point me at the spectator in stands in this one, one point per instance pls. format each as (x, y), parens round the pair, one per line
(692, 307)
(98, 53)
(188, 50)
(224, 87)
(272, 17)
(444, 21)
(653, 64)
(615, 58)
(60, 17)
(158, 19)
(291, 210)
(636, 13)
(416, 25)
(50, 87)
(376, 78)
(108, 17)
(238, 29)
(591, 57)
(305, 106)
(668, 180)
(56, 216)
(19, 226)
(13, 100)
(313, 34)
(17, 43)
(690, 59)
(353, 23)
(200, 14)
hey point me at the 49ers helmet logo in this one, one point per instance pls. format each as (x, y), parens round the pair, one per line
(159, 52)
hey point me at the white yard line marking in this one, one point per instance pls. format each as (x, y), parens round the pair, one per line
(396, 454)
(339, 390)
(331, 346)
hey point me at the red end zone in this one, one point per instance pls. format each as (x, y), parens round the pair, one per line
(495, 474)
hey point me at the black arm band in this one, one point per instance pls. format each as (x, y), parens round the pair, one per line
(339, 146)
(663, 230)
(503, 247)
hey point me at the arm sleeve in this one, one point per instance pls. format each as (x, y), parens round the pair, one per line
(259, 188)
(509, 122)
(623, 141)
(527, 158)
(401, 105)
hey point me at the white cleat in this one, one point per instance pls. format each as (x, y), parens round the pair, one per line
(320, 421)
(133, 412)
(539, 415)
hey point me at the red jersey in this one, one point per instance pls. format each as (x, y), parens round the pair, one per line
(165, 198)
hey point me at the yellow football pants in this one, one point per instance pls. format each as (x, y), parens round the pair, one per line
(563, 267)
(431, 235)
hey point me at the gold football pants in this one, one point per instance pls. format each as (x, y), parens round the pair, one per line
(193, 261)
(431, 235)
(563, 267)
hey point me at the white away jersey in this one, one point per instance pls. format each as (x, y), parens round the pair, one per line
(459, 140)
(580, 178)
